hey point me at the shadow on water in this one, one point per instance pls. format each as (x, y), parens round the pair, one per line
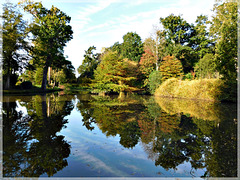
(170, 131)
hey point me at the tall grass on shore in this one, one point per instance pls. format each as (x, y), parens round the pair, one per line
(205, 89)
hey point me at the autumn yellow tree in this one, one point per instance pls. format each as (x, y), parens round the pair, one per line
(114, 74)
(171, 67)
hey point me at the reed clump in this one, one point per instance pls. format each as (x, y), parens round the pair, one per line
(204, 89)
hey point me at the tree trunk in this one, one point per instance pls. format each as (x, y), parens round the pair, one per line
(49, 75)
(157, 53)
(121, 95)
(44, 80)
(45, 71)
(7, 85)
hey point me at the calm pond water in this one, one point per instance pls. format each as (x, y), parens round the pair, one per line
(84, 135)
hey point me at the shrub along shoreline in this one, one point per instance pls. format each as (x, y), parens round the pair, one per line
(202, 89)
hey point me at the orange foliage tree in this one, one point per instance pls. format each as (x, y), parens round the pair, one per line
(171, 67)
(147, 62)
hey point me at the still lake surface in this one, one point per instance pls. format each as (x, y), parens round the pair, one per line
(83, 135)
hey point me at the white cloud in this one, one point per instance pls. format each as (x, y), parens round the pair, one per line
(21, 108)
(130, 166)
(81, 154)
(85, 12)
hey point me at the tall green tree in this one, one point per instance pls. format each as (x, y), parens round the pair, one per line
(117, 47)
(62, 72)
(206, 68)
(38, 73)
(132, 46)
(201, 42)
(224, 29)
(89, 64)
(51, 31)
(15, 46)
(178, 34)
(69, 72)
(178, 31)
(187, 56)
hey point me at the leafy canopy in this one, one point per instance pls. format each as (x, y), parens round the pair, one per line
(132, 46)
(89, 64)
(177, 30)
(206, 67)
(50, 32)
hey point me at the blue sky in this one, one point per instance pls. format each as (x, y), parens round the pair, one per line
(103, 22)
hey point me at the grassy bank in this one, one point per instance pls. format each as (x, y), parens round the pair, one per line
(204, 89)
(67, 88)
(32, 91)
(75, 88)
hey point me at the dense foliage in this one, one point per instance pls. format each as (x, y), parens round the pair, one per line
(205, 68)
(154, 80)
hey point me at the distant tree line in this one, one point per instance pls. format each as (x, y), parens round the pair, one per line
(206, 49)
(35, 51)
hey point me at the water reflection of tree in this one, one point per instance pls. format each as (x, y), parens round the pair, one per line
(130, 134)
(86, 110)
(15, 137)
(113, 116)
(118, 116)
(178, 138)
(169, 138)
(180, 144)
(35, 141)
(222, 159)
